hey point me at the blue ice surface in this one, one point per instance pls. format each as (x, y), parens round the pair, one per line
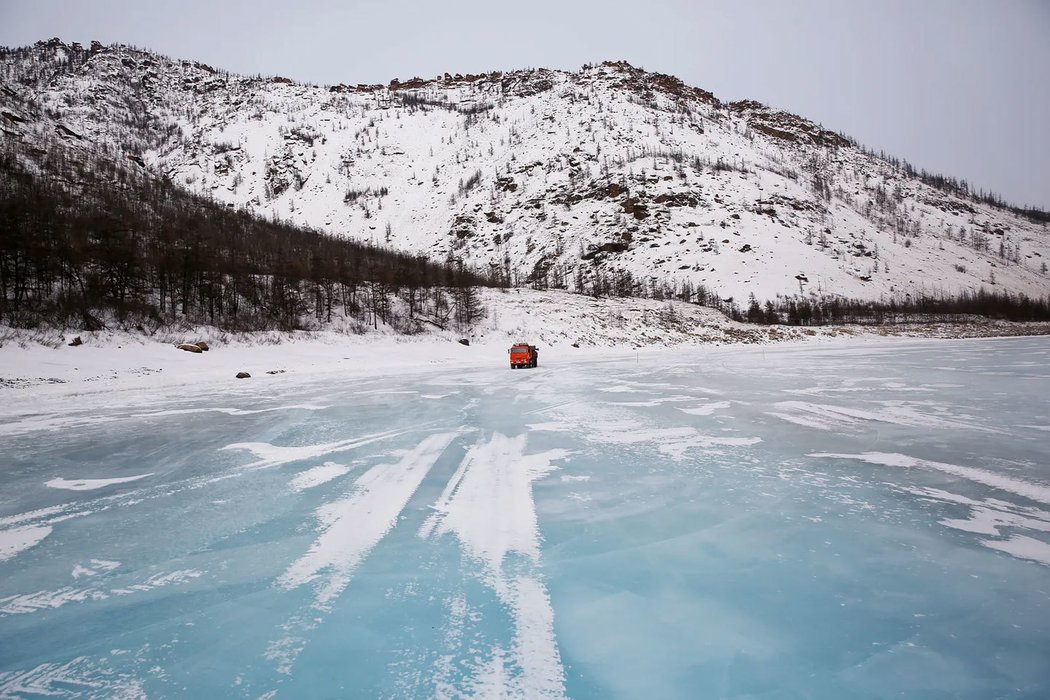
(695, 537)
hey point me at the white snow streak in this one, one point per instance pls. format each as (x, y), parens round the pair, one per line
(988, 521)
(274, 455)
(674, 442)
(652, 402)
(230, 411)
(1023, 547)
(38, 514)
(706, 409)
(535, 647)
(96, 567)
(318, 475)
(91, 484)
(42, 600)
(354, 525)
(553, 427)
(828, 417)
(82, 677)
(488, 502)
(20, 539)
(990, 516)
(488, 506)
(1019, 487)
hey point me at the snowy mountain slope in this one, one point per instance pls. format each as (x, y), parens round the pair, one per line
(608, 177)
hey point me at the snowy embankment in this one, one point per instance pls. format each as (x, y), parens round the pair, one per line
(551, 320)
(565, 326)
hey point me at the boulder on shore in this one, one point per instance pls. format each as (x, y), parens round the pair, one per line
(75, 342)
(243, 375)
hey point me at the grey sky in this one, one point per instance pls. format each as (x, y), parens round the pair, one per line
(960, 87)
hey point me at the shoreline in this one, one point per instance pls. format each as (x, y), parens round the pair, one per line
(115, 360)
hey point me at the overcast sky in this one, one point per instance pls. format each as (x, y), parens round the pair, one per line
(960, 87)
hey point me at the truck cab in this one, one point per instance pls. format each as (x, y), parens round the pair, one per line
(524, 355)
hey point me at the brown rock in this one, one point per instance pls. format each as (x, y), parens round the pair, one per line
(202, 345)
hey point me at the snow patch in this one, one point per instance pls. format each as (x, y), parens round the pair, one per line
(488, 505)
(274, 455)
(91, 484)
(97, 566)
(353, 526)
(1019, 487)
(552, 427)
(20, 539)
(1023, 547)
(318, 475)
(42, 600)
(652, 402)
(676, 442)
(159, 581)
(488, 502)
(706, 409)
(230, 411)
(828, 417)
(82, 677)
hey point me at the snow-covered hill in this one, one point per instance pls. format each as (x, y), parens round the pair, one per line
(609, 176)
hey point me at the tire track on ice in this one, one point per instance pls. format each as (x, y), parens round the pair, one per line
(351, 527)
(350, 530)
(488, 505)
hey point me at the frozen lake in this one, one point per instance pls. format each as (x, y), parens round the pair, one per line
(850, 521)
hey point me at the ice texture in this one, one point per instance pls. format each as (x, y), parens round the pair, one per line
(852, 520)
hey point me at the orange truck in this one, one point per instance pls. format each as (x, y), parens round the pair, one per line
(524, 355)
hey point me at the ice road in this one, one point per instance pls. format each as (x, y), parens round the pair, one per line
(865, 520)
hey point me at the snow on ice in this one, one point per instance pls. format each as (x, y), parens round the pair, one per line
(857, 518)
(91, 484)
